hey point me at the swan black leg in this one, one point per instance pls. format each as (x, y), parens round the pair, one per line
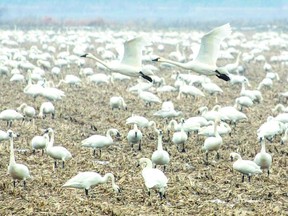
(242, 178)
(24, 184)
(14, 183)
(145, 76)
(249, 178)
(86, 192)
(55, 164)
(222, 76)
(63, 164)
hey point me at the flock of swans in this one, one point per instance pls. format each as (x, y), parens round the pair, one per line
(41, 66)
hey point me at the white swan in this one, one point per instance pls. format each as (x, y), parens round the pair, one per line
(117, 103)
(280, 107)
(223, 128)
(255, 95)
(283, 139)
(233, 66)
(232, 114)
(16, 170)
(243, 101)
(246, 167)
(70, 79)
(189, 90)
(180, 137)
(86, 180)
(140, 121)
(28, 111)
(40, 142)
(148, 97)
(134, 136)
(153, 178)
(270, 128)
(52, 93)
(205, 62)
(213, 143)
(47, 108)
(33, 90)
(188, 126)
(263, 159)
(100, 141)
(56, 152)
(10, 115)
(160, 156)
(131, 63)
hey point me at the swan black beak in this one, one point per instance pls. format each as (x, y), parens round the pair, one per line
(231, 158)
(84, 56)
(156, 59)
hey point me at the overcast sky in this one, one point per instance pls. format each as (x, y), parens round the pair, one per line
(165, 10)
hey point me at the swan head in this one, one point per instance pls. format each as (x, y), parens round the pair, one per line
(234, 155)
(11, 134)
(116, 188)
(157, 59)
(48, 130)
(86, 55)
(160, 132)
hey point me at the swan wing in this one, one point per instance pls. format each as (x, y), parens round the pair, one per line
(210, 44)
(133, 52)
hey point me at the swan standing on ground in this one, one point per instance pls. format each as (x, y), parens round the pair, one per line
(10, 115)
(28, 111)
(47, 108)
(135, 136)
(180, 137)
(160, 156)
(40, 142)
(131, 63)
(243, 101)
(99, 141)
(16, 170)
(213, 143)
(70, 79)
(263, 159)
(148, 97)
(56, 152)
(280, 107)
(205, 62)
(117, 103)
(86, 180)
(246, 167)
(153, 178)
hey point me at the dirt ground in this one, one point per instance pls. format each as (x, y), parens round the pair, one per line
(193, 188)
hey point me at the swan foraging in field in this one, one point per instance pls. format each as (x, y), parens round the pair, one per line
(40, 142)
(135, 136)
(205, 62)
(100, 141)
(232, 114)
(213, 143)
(28, 111)
(70, 79)
(180, 137)
(280, 107)
(131, 63)
(246, 167)
(160, 156)
(223, 128)
(140, 121)
(263, 159)
(16, 170)
(148, 97)
(56, 152)
(283, 139)
(255, 95)
(243, 101)
(47, 108)
(153, 178)
(270, 128)
(188, 126)
(117, 103)
(10, 115)
(86, 180)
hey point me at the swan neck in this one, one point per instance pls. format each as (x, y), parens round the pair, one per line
(183, 65)
(263, 147)
(160, 147)
(99, 61)
(51, 142)
(107, 177)
(12, 156)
